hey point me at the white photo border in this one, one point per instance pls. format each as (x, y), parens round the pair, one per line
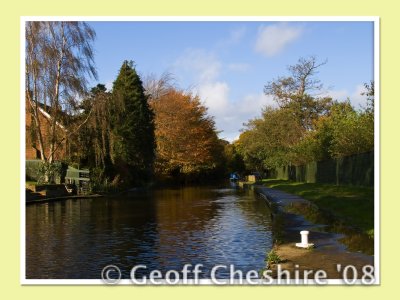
(377, 164)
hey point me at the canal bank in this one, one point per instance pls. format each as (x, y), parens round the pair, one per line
(328, 254)
(52, 199)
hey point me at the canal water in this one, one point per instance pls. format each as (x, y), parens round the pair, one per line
(162, 229)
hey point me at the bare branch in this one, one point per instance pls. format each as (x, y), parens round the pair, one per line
(59, 58)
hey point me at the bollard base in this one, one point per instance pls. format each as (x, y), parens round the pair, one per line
(306, 246)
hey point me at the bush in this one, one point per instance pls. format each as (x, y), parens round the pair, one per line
(50, 172)
(32, 167)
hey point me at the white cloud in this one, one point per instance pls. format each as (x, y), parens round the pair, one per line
(205, 70)
(229, 115)
(273, 39)
(203, 65)
(340, 95)
(240, 112)
(215, 96)
(252, 104)
(356, 99)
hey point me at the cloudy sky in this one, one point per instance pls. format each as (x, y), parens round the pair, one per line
(228, 63)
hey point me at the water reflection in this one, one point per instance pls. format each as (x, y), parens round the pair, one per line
(162, 229)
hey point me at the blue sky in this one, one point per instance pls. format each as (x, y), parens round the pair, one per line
(228, 63)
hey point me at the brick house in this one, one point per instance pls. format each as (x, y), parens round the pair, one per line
(32, 150)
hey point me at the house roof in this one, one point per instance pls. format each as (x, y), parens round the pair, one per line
(48, 116)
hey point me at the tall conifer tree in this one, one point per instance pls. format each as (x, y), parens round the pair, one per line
(132, 126)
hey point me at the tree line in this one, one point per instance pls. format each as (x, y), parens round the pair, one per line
(135, 135)
(130, 135)
(304, 126)
(148, 129)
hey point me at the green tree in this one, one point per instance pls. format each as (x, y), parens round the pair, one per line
(267, 142)
(301, 81)
(250, 147)
(132, 126)
(370, 93)
(351, 131)
(305, 127)
(298, 92)
(232, 158)
(286, 135)
(92, 146)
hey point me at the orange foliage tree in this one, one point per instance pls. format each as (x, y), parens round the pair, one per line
(187, 141)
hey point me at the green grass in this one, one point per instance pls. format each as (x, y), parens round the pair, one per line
(354, 205)
(273, 258)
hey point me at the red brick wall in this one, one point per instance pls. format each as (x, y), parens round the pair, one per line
(32, 146)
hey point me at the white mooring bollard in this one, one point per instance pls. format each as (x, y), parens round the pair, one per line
(304, 240)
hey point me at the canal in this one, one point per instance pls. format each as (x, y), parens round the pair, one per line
(162, 229)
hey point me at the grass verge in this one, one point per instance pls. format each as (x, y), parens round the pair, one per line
(353, 205)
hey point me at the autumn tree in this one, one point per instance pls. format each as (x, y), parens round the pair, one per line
(132, 126)
(59, 59)
(187, 142)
